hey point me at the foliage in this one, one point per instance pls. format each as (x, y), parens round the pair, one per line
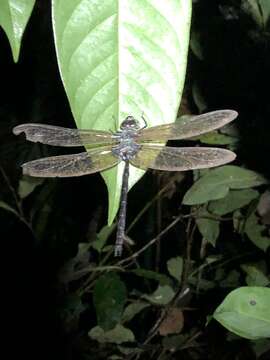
(14, 16)
(199, 248)
(110, 67)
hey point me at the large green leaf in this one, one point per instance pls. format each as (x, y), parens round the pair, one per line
(118, 58)
(109, 299)
(216, 183)
(236, 199)
(14, 15)
(245, 312)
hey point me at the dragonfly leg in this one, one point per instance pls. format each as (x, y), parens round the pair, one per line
(145, 123)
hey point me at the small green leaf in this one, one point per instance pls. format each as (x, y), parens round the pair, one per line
(133, 309)
(109, 299)
(232, 280)
(175, 267)
(129, 350)
(102, 237)
(152, 275)
(260, 347)
(197, 94)
(209, 228)
(118, 335)
(215, 138)
(120, 58)
(14, 16)
(255, 276)
(245, 312)
(197, 49)
(162, 296)
(235, 199)
(7, 207)
(255, 231)
(265, 9)
(216, 183)
(27, 185)
(252, 8)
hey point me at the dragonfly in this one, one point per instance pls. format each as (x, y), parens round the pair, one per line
(140, 146)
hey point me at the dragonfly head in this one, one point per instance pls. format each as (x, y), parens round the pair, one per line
(130, 123)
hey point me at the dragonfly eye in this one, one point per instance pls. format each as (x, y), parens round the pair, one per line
(130, 123)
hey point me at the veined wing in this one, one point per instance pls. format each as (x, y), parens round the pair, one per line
(189, 127)
(89, 162)
(60, 136)
(180, 159)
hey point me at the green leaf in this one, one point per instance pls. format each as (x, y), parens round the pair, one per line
(162, 296)
(255, 275)
(265, 10)
(5, 206)
(120, 58)
(215, 138)
(133, 309)
(255, 232)
(235, 199)
(109, 299)
(209, 228)
(118, 335)
(152, 275)
(216, 183)
(260, 347)
(232, 280)
(175, 267)
(27, 185)
(245, 312)
(14, 16)
(252, 8)
(197, 49)
(102, 237)
(196, 92)
(130, 350)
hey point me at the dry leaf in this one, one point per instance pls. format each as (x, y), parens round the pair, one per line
(173, 323)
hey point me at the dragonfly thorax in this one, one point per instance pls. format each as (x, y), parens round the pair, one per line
(127, 147)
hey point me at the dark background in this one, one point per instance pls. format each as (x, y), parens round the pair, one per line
(234, 73)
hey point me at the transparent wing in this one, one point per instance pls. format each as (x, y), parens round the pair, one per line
(72, 165)
(188, 127)
(180, 159)
(60, 136)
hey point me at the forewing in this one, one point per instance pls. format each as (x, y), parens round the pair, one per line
(188, 127)
(72, 165)
(180, 159)
(60, 136)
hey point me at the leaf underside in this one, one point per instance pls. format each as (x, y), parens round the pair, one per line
(120, 58)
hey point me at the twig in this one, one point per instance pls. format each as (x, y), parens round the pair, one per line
(12, 190)
(151, 242)
(19, 213)
(190, 236)
(150, 203)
